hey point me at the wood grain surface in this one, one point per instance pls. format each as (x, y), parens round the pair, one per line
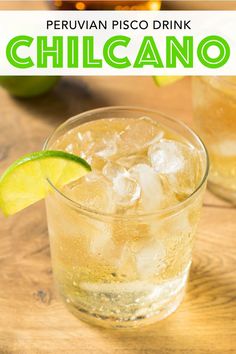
(32, 318)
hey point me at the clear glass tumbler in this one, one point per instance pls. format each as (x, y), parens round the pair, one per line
(120, 269)
(214, 102)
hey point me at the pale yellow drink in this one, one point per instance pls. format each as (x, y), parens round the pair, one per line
(214, 101)
(121, 237)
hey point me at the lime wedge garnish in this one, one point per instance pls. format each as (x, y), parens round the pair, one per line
(25, 181)
(166, 80)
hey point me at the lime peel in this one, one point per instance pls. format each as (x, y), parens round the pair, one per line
(28, 86)
(25, 181)
(166, 80)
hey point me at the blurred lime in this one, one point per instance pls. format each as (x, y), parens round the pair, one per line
(28, 86)
(166, 80)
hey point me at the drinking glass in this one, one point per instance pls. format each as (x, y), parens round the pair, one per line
(120, 269)
(214, 102)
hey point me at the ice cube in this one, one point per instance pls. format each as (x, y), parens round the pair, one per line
(127, 190)
(95, 148)
(125, 187)
(93, 191)
(111, 170)
(179, 231)
(101, 241)
(83, 143)
(152, 196)
(126, 263)
(85, 138)
(93, 176)
(179, 162)
(106, 147)
(139, 136)
(166, 156)
(130, 161)
(150, 258)
(172, 227)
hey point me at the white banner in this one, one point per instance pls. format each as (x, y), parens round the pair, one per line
(117, 43)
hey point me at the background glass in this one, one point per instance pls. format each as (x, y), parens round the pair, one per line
(214, 102)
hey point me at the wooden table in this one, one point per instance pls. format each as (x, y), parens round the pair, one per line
(33, 320)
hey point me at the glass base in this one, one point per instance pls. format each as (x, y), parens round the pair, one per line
(161, 314)
(227, 194)
(140, 311)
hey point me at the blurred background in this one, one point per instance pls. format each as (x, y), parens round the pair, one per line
(120, 4)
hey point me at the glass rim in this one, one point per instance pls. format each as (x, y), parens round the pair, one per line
(174, 209)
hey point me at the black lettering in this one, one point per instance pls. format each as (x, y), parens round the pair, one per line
(186, 24)
(165, 24)
(49, 23)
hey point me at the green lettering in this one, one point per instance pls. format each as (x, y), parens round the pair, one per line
(73, 52)
(148, 54)
(220, 59)
(55, 52)
(109, 48)
(88, 54)
(183, 52)
(13, 57)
